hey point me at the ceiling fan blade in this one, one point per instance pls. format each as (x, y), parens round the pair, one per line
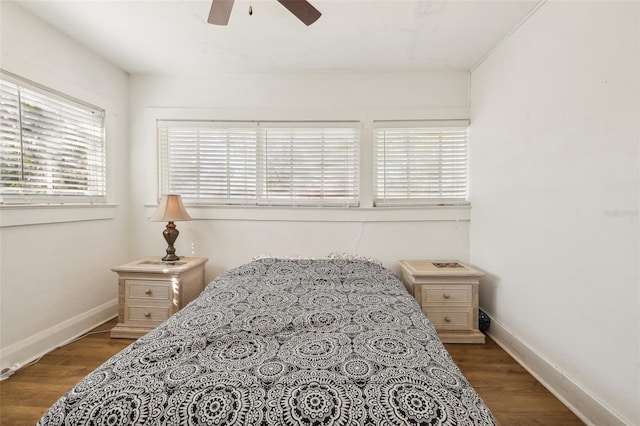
(303, 10)
(220, 12)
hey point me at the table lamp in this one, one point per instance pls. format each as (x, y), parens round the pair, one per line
(170, 210)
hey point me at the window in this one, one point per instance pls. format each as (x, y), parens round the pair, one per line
(52, 148)
(260, 163)
(208, 163)
(420, 162)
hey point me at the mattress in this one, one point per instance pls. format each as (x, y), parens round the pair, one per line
(283, 342)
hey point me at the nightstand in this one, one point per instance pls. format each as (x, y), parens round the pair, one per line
(447, 292)
(150, 291)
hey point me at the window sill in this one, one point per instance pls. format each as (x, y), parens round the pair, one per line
(328, 214)
(35, 214)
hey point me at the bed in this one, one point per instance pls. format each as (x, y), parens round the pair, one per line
(283, 342)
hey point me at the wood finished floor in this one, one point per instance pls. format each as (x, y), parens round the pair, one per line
(512, 394)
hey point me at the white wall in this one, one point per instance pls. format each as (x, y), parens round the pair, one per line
(229, 236)
(555, 130)
(55, 279)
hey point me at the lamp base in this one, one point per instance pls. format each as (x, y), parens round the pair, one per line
(170, 235)
(170, 258)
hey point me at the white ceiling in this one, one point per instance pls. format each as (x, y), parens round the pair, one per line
(173, 37)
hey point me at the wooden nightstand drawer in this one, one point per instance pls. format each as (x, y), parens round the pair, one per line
(148, 314)
(446, 295)
(147, 290)
(450, 318)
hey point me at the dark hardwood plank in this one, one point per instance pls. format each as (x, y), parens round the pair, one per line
(512, 394)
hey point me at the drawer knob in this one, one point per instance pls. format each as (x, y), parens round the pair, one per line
(446, 319)
(147, 314)
(147, 291)
(446, 296)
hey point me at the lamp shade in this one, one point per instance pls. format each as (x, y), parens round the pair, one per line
(170, 209)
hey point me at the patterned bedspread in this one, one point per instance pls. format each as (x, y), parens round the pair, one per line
(283, 342)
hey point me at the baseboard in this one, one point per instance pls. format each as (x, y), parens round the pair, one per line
(584, 405)
(33, 347)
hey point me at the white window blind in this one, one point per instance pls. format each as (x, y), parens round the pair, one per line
(52, 148)
(266, 163)
(208, 163)
(309, 165)
(420, 162)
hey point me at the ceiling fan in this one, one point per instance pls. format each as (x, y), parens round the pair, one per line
(302, 9)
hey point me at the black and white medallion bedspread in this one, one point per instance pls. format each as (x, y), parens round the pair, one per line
(283, 342)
